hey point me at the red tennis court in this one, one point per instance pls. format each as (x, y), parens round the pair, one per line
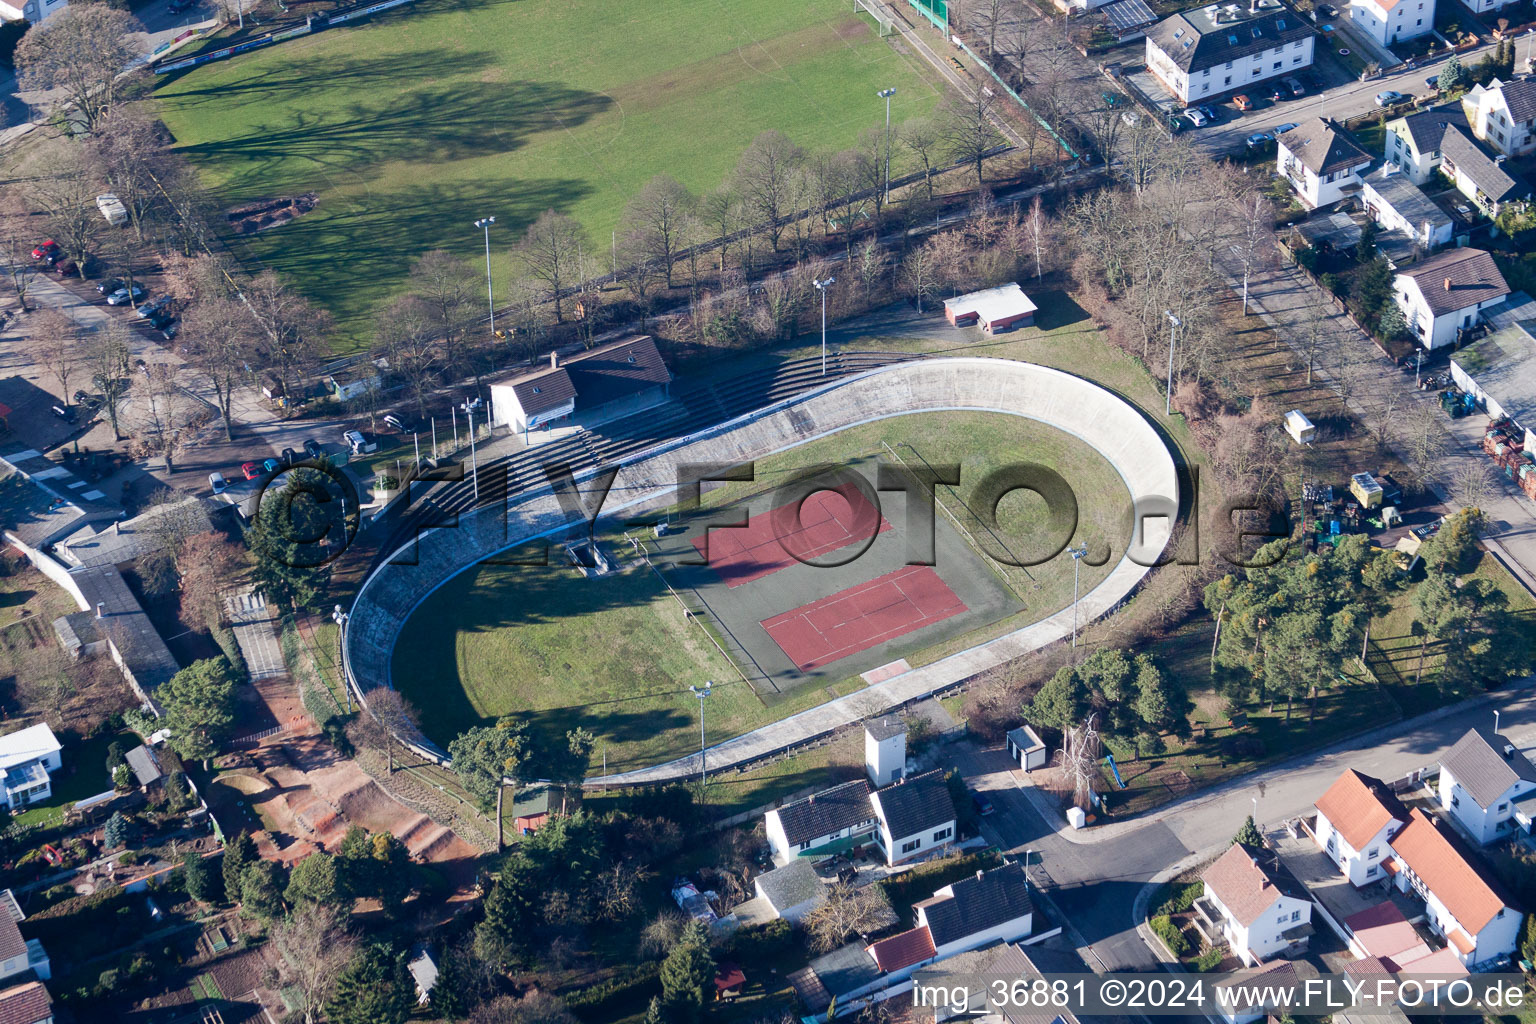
(827, 520)
(860, 617)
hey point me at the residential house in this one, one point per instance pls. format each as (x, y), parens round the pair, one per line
(1503, 115)
(1463, 901)
(822, 824)
(1442, 296)
(1484, 6)
(27, 757)
(18, 955)
(596, 386)
(112, 618)
(1322, 161)
(992, 906)
(1253, 981)
(42, 502)
(1209, 51)
(28, 1003)
(1356, 818)
(1481, 777)
(1388, 21)
(1256, 904)
(916, 816)
(1414, 142)
(1400, 206)
(144, 764)
(792, 891)
(1479, 176)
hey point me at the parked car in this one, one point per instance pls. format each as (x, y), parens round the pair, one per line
(1277, 93)
(1327, 11)
(1131, 118)
(110, 285)
(45, 249)
(1284, 128)
(1293, 83)
(1391, 97)
(312, 448)
(89, 401)
(271, 465)
(123, 296)
(170, 330)
(1258, 139)
(981, 803)
(1433, 81)
(359, 444)
(1176, 123)
(290, 456)
(160, 320)
(179, 6)
(251, 470)
(152, 307)
(66, 268)
(1213, 114)
(65, 413)
(1196, 117)
(218, 483)
(398, 423)
(1242, 102)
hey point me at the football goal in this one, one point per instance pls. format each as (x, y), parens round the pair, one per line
(884, 26)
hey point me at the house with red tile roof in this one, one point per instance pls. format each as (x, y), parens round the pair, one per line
(26, 1004)
(1256, 904)
(1463, 901)
(1355, 819)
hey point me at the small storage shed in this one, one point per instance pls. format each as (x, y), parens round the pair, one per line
(1366, 490)
(1026, 747)
(1299, 427)
(995, 309)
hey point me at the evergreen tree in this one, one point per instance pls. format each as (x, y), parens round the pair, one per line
(484, 757)
(199, 703)
(116, 831)
(261, 890)
(653, 1012)
(296, 534)
(392, 871)
(197, 875)
(1249, 835)
(375, 988)
(237, 854)
(1528, 939)
(513, 909)
(1453, 76)
(355, 866)
(686, 976)
(313, 880)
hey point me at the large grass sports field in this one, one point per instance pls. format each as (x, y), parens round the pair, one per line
(415, 124)
(616, 655)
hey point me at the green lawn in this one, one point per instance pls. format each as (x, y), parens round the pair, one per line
(500, 640)
(412, 126)
(84, 774)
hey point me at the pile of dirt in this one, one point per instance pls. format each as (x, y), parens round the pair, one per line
(270, 213)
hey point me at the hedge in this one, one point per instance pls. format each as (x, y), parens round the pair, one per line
(1210, 959)
(623, 993)
(1169, 932)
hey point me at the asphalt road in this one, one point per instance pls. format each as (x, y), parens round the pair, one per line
(1094, 877)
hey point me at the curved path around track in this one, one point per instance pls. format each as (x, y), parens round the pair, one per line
(1116, 429)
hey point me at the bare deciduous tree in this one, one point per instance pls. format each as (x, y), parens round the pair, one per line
(442, 282)
(968, 131)
(207, 564)
(765, 178)
(848, 910)
(386, 716)
(17, 240)
(290, 329)
(130, 149)
(63, 186)
(552, 252)
(655, 219)
(58, 346)
(315, 945)
(106, 357)
(221, 341)
(80, 51)
(924, 137)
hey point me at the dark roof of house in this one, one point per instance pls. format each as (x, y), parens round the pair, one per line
(1474, 278)
(1487, 173)
(25, 1004)
(125, 540)
(831, 810)
(885, 728)
(38, 514)
(1323, 146)
(1127, 15)
(985, 900)
(1427, 128)
(144, 765)
(1519, 95)
(593, 378)
(1196, 40)
(915, 805)
(1486, 765)
(1248, 881)
(125, 624)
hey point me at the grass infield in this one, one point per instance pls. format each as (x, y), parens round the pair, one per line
(426, 118)
(616, 655)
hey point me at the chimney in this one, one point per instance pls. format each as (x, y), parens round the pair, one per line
(810, 799)
(1509, 751)
(554, 360)
(979, 873)
(115, 525)
(1253, 6)
(100, 610)
(1447, 284)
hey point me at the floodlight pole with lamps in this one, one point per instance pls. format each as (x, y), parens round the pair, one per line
(1173, 323)
(1077, 560)
(340, 618)
(709, 685)
(886, 95)
(484, 223)
(822, 286)
(474, 474)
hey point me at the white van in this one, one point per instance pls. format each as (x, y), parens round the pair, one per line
(113, 209)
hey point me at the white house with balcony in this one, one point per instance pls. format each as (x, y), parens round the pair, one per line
(1356, 818)
(822, 824)
(27, 757)
(1256, 904)
(1322, 161)
(1464, 902)
(1503, 115)
(1481, 778)
(1443, 295)
(1227, 48)
(916, 816)
(1388, 21)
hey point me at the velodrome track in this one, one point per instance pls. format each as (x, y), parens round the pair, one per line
(646, 477)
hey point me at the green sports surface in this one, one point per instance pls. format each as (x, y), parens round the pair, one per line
(411, 126)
